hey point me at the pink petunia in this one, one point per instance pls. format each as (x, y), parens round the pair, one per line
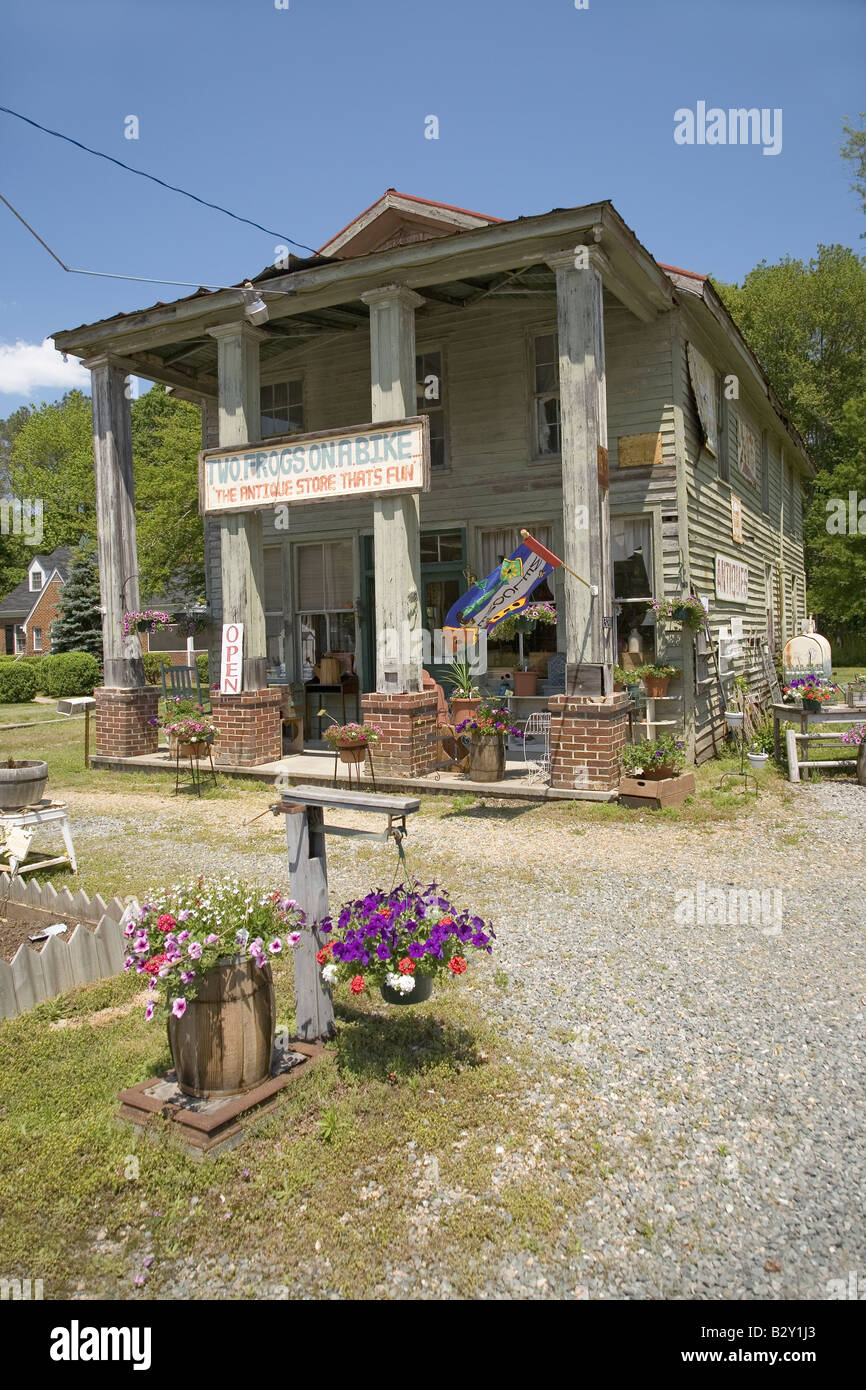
(276, 946)
(178, 1007)
(150, 1011)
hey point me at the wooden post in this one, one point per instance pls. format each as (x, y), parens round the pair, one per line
(396, 520)
(583, 438)
(308, 870)
(123, 667)
(86, 736)
(242, 560)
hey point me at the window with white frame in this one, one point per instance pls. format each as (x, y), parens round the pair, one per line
(545, 389)
(37, 639)
(282, 408)
(634, 589)
(496, 546)
(37, 579)
(325, 602)
(430, 401)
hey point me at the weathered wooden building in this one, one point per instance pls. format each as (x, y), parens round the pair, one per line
(573, 385)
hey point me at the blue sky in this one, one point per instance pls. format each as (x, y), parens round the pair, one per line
(300, 118)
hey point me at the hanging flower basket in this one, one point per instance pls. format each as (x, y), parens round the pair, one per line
(147, 620)
(687, 611)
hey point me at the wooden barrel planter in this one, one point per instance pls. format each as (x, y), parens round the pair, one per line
(224, 1043)
(861, 764)
(353, 751)
(487, 757)
(423, 989)
(22, 784)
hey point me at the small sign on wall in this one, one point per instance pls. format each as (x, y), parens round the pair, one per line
(736, 518)
(232, 660)
(748, 450)
(732, 580)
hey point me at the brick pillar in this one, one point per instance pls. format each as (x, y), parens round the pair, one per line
(585, 739)
(405, 722)
(123, 729)
(249, 726)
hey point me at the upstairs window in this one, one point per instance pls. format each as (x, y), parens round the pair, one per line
(282, 408)
(430, 401)
(37, 579)
(546, 395)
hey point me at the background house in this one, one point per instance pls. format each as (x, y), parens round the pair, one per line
(26, 614)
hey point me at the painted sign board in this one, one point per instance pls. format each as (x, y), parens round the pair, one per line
(639, 450)
(732, 580)
(232, 660)
(367, 460)
(748, 450)
(736, 518)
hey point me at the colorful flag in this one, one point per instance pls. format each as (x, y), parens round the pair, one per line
(506, 589)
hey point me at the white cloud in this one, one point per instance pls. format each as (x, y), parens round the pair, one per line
(24, 366)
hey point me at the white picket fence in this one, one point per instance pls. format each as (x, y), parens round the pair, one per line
(61, 965)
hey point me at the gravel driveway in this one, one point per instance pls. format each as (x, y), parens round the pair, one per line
(717, 1064)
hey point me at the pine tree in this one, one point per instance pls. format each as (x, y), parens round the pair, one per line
(79, 627)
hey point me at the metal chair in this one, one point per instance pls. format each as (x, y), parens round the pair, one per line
(536, 745)
(181, 682)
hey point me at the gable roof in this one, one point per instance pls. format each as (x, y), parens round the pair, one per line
(398, 219)
(22, 598)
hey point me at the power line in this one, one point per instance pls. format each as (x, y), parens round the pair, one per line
(170, 186)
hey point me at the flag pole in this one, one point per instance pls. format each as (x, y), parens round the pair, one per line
(593, 588)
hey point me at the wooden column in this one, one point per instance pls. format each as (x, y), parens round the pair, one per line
(585, 503)
(308, 875)
(396, 520)
(242, 560)
(123, 667)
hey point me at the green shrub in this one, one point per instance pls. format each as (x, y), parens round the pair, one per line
(17, 683)
(153, 664)
(69, 673)
(35, 664)
(201, 662)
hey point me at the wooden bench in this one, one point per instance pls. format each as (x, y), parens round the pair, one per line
(796, 764)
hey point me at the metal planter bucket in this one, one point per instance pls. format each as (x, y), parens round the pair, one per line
(423, 989)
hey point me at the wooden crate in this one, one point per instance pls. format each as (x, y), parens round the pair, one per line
(640, 792)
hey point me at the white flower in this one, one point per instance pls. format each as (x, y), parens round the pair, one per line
(394, 981)
(407, 984)
(329, 974)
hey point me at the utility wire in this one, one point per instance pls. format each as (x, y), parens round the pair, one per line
(141, 279)
(141, 173)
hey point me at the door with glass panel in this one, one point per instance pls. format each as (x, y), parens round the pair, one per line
(634, 590)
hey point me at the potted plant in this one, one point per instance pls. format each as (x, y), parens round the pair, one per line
(656, 679)
(400, 941)
(761, 746)
(147, 620)
(352, 740)
(813, 690)
(22, 782)
(525, 681)
(487, 729)
(653, 758)
(736, 713)
(857, 735)
(190, 731)
(624, 680)
(465, 698)
(204, 949)
(687, 611)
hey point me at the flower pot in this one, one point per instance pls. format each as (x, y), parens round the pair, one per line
(758, 760)
(462, 707)
(656, 685)
(23, 784)
(525, 682)
(861, 764)
(811, 706)
(193, 750)
(353, 753)
(734, 717)
(657, 774)
(487, 757)
(423, 989)
(224, 1043)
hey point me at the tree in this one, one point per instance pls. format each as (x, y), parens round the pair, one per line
(52, 459)
(166, 439)
(79, 627)
(854, 150)
(15, 554)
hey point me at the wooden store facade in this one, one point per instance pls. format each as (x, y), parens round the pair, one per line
(567, 384)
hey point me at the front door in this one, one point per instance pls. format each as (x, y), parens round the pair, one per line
(443, 580)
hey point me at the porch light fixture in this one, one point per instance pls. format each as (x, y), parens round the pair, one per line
(255, 308)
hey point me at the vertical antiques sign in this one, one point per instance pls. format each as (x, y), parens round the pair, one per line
(232, 661)
(736, 518)
(732, 580)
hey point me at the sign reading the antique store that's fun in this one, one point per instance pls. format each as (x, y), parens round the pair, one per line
(367, 460)
(732, 580)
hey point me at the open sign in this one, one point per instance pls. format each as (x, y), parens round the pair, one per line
(232, 662)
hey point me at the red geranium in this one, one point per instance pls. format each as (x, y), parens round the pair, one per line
(155, 964)
(323, 955)
(456, 965)
(406, 966)
(357, 984)
(166, 922)
(446, 921)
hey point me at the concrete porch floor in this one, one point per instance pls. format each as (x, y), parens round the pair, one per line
(316, 766)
